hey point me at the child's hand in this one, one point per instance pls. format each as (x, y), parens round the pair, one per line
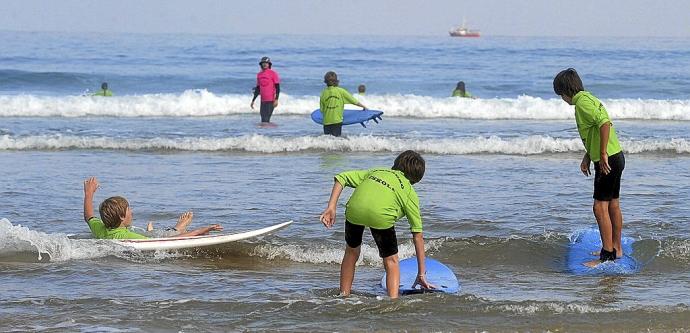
(422, 282)
(328, 217)
(91, 185)
(604, 166)
(584, 166)
(215, 227)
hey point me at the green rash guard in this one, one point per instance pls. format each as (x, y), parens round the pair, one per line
(99, 231)
(458, 93)
(381, 197)
(332, 104)
(102, 92)
(590, 115)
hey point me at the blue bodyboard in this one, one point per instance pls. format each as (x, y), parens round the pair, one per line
(583, 243)
(351, 116)
(437, 274)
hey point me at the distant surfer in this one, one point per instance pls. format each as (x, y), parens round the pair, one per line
(381, 197)
(602, 147)
(268, 86)
(104, 91)
(361, 90)
(116, 218)
(460, 91)
(332, 104)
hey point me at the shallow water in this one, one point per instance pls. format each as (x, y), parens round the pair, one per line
(500, 199)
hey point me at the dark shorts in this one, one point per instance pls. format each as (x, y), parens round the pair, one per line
(266, 111)
(333, 129)
(385, 239)
(608, 187)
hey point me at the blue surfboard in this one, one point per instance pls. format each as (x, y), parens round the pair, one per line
(351, 116)
(437, 274)
(583, 243)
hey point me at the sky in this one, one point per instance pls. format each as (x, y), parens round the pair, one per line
(353, 17)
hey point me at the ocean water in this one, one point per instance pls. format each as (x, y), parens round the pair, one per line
(501, 197)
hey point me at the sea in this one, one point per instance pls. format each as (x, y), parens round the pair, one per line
(501, 200)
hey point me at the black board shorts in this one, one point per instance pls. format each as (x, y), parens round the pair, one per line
(608, 187)
(266, 111)
(333, 129)
(385, 239)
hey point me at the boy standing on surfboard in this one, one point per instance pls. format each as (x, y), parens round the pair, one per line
(332, 104)
(116, 217)
(600, 140)
(381, 197)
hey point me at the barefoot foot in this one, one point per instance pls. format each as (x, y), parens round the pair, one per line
(592, 264)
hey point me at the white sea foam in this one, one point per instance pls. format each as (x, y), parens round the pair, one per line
(527, 145)
(16, 239)
(324, 254)
(201, 103)
(58, 247)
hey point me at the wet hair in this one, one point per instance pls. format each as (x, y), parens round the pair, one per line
(567, 83)
(411, 164)
(112, 211)
(331, 79)
(460, 86)
(361, 88)
(104, 85)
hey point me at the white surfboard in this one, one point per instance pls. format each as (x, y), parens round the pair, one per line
(176, 243)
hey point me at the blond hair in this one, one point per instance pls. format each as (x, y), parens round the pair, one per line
(112, 211)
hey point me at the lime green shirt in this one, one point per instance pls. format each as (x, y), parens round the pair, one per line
(458, 93)
(99, 231)
(332, 104)
(102, 92)
(590, 115)
(381, 197)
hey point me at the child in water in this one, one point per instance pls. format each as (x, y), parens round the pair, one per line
(332, 104)
(381, 197)
(602, 147)
(116, 217)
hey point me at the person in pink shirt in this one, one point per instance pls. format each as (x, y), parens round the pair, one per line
(268, 86)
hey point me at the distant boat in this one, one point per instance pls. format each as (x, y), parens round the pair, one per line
(463, 31)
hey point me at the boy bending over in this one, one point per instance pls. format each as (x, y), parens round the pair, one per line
(381, 197)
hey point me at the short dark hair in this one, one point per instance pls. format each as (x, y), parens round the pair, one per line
(361, 88)
(331, 79)
(104, 85)
(567, 83)
(112, 211)
(411, 164)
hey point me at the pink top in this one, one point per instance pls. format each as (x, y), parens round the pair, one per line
(266, 80)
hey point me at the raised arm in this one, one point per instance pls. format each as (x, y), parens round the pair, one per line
(328, 215)
(90, 186)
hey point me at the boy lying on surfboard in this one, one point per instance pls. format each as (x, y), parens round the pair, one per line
(116, 218)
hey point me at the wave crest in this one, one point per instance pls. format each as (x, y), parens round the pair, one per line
(202, 103)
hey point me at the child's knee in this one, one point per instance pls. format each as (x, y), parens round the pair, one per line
(391, 260)
(600, 207)
(615, 204)
(352, 250)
